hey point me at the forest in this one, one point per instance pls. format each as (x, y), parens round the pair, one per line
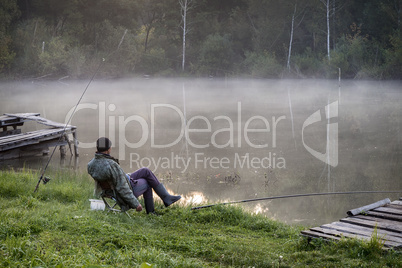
(358, 39)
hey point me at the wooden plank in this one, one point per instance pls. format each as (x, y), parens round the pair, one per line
(30, 138)
(367, 229)
(24, 114)
(30, 150)
(338, 233)
(6, 120)
(373, 218)
(18, 144)
(36, 133)
(368, 223)
(41, 120)
(26, 137)
(384, 221)
(368, 232)
(388, 210)
(385, 215)
(388, 242)
(319, 235)
(32, 134)
(10, 132)
(12, 123)
(355, 236)
(394, 207)
(44, 131)
(16, 138)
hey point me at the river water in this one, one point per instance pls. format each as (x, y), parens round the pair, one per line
(216, 140)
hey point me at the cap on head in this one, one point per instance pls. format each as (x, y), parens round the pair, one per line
(103, 144)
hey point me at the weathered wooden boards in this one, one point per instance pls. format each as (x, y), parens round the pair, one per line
(13, 122)
(14, 144)
(40, 120)
(384, 221)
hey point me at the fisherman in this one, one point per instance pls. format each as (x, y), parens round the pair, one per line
(128, 187)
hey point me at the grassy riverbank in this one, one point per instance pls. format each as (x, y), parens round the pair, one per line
(55, 228)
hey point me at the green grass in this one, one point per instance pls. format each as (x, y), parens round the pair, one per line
(54, 227)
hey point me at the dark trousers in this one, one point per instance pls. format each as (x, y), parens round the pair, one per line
(142, 181)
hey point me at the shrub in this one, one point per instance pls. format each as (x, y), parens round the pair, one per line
(262, 65)
(27, 41)
(75, 62)
(6, 55)
(54, 57)
(356, 56)
(216, 55)
(307, 64)
(393, 62)
(153, 61)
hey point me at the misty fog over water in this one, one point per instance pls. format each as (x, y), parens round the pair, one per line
(225, 140)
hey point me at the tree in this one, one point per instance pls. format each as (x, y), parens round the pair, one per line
(216, 55)
(151, 12)
(331, 8)
(291, 37)
(327, 7)
(225, 36)
(269, 20)
(8, 13)
(185, 5)
(294, 15)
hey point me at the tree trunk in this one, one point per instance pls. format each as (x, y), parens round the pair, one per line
(333, 24)
(148, 30)
(184, 16)
(291, 38)
(328, 34)
(185, 7)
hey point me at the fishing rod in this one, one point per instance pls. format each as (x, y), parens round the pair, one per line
(296, 195)
(46, 179)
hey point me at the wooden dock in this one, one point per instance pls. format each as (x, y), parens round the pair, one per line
(384, 220)
(15, 144)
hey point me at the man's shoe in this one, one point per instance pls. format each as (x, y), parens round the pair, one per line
(167, 199)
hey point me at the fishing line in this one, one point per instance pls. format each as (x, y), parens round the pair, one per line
(296, 195)
(46, 179)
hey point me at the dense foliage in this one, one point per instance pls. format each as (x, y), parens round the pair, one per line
(255, 38)
(54, 227)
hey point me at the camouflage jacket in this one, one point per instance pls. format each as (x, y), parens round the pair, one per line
(103, 167)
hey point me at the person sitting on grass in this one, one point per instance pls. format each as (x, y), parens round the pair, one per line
(128, 187)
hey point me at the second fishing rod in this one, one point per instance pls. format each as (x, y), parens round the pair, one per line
(42, 176)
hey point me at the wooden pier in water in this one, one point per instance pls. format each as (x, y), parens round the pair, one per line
(15, 144)
(383, 218)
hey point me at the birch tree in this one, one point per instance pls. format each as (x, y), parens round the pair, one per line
(291, 37)
(185, 6)
(327, 7)
(331, 7)
(294, 16)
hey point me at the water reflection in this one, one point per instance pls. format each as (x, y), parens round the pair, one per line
(230, 140)
(258, 209)
(193, 199)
